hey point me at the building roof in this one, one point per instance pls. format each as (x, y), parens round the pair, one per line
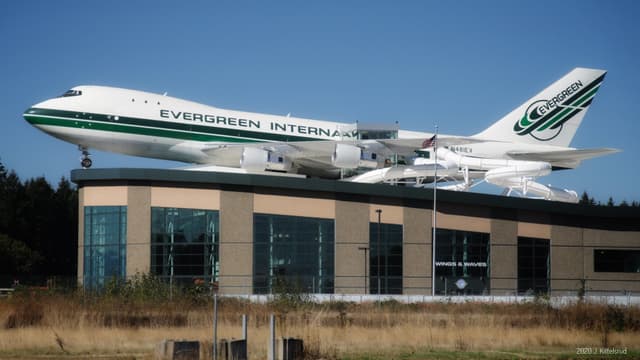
(613, 218)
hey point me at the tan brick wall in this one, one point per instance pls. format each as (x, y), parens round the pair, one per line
(539, 231)
(81, 193)
(566, 236)
(352, 231)
(609, 281)
(105, 196)
(466, 223)
(294, 206)
(609, 239)
(186, 198)
(416, 251)
(567, 261)
(138, 230)
(236, 242)
(503, 256)
(390, 214)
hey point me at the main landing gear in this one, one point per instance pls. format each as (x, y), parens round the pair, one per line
(85, 162)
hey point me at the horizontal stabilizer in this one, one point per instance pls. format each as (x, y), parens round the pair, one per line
(563, 158)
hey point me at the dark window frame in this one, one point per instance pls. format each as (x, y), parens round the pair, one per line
(293, 254)
(186, 241)
(473, 247)
(616, 260)
(534, 265)
(391, 258)
(105, 245)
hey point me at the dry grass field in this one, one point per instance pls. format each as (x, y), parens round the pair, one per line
(78, 326)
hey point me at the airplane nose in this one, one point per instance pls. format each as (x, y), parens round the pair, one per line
(31, 115)
(33, 112)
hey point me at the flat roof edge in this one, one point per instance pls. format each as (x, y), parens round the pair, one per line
(84, 177)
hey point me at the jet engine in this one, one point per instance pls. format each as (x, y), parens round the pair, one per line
(347, 156)
(254, 159)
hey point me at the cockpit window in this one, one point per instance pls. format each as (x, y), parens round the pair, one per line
(72, 93)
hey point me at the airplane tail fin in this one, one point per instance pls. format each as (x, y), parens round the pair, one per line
(552, 116)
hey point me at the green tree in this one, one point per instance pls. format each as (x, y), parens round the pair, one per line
(38, 223)
(38, 216)
(586, 200)
(3, 199)
(16, 258)
(65, 230)
(11, 202)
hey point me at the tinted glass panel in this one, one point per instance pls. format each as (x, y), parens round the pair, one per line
(462, 262)
(184, 245)
(292, 253)
(105, 248)
(627, 261)
(389, 257)
(533, 265)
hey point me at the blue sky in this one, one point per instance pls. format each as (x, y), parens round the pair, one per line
(460, 65)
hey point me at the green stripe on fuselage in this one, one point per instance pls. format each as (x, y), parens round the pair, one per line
(128, 129)
(150, 127)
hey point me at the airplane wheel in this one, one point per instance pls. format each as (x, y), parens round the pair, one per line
(86, 163)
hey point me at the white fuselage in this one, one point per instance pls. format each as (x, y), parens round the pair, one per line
(152, 125)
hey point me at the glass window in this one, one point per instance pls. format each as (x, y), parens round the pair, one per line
(185, 245)
(72, 93)
(105, 247)
(389, 273)
(606, 260)
(376, 131)
(292, 253)
(533, 265)
(462, 262)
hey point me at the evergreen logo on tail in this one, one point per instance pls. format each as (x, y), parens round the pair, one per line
(544, 119)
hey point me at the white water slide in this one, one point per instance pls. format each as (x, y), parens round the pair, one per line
(514, 176)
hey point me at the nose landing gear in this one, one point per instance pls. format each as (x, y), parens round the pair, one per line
(85, 162)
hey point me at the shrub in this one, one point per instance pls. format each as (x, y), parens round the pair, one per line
(29, 313)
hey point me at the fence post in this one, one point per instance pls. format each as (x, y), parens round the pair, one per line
(244, 326)
(272, 337)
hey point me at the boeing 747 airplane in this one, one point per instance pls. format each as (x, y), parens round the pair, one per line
(527, 143)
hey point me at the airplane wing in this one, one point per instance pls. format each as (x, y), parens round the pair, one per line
(563, 158)
(320, 151)
(315, 153)
(408, 146)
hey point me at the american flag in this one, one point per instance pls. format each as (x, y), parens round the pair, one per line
(431, 142)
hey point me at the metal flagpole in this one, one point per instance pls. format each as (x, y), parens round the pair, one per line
(433, 225)
(379, 211)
